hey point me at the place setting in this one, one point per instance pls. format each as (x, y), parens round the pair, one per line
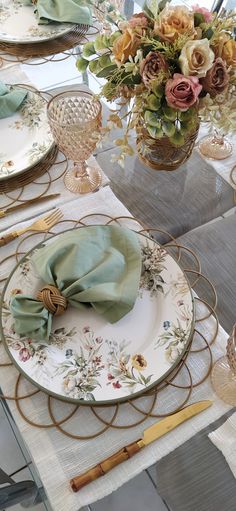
(116, 363)
(39, 140)
(40, 29)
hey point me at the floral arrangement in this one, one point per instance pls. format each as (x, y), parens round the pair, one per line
(169, 65)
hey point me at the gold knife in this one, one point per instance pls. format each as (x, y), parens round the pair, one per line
(150, 434)
(7, 211)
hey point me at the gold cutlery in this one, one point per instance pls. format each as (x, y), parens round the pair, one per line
(43, 224)
(7, 211)
(150, 434)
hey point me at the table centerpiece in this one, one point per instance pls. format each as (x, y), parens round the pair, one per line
(166, 65)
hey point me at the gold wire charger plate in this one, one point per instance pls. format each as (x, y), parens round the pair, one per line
(179, 384)
(117, 361)
(23, 52)
(12, 183)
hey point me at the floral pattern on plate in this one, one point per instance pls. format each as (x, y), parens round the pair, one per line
(19, 25)
(25, 136)
(88, 359)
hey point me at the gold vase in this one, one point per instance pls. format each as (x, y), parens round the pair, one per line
(161, 154)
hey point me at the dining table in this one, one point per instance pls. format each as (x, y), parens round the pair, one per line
(169, 205)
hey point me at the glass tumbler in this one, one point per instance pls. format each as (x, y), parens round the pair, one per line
(75, 119)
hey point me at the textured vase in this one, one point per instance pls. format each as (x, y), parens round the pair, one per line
(161, 154)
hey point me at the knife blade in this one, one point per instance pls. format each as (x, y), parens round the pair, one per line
(7, 211)
(150, 434)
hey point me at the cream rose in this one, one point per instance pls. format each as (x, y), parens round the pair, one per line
(174, 21)
(196, 58)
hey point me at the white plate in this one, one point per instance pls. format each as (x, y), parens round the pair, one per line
(25, 137)
(18, 24)
(88, 360)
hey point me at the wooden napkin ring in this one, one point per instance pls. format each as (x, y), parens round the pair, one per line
(52, 300)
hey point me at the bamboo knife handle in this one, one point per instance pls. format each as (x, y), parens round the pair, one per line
(4, 240)
(102, 468)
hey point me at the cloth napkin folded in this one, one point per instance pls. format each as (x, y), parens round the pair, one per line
(10, 100)
(69, 11)
(96, 266)
(224, 438)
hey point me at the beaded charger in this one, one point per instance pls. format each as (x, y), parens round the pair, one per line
(179, 384)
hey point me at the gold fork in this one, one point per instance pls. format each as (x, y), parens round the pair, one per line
(43, 224)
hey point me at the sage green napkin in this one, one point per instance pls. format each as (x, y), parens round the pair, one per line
(10, 100)
(70, 11)
(97, 266)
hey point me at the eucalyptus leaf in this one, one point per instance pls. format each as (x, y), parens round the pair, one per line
(104, 61)
(168, 128)
(153, 102)
(154, 132)
(157, 89)
(177, 139)
(94, 66)
(82, 64)
(152, 118)
(99, 43)
(106, 71)
(186, 116)
(169, 113)
(88, 49)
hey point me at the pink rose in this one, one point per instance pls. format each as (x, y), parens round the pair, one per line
(182, 92)
(139, 20)
(24, 354)
(216, 80)
(208, 16)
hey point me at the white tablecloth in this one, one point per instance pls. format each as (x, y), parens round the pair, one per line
(59, 458)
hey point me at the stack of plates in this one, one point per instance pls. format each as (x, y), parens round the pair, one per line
(25, 137)
(18, 25)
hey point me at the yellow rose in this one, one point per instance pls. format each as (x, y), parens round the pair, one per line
(229, 52)
(196, 58)
(173, 22)
(225, 47)
(125, 45)
(138, 362)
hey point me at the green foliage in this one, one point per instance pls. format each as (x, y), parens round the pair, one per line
(208, 34)
(88, 49)
(94, 66)
(82, 64)
(168, 128)
(104, 61)
(198, 19)
(152, 118)
(177, 139)
(169, 113)
(157, 88)
(153, 103)
(154, 132)
(104, 73)
(187, 116)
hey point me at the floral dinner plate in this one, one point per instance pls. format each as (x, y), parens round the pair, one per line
(18, 24)
(25, 137)
(91, 361)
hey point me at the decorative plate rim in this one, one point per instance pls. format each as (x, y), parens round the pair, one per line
(12, 40)
(108, 402)
(31, 165)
